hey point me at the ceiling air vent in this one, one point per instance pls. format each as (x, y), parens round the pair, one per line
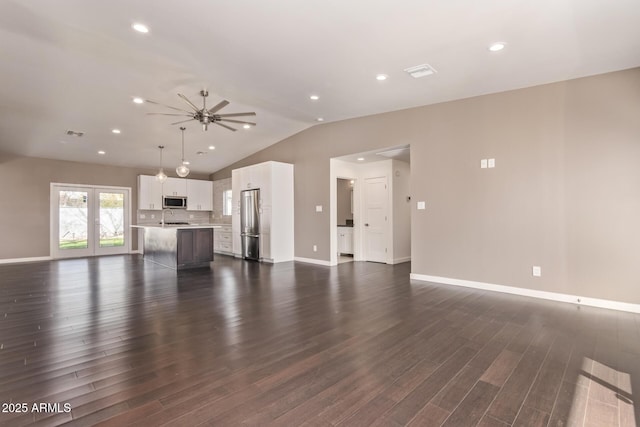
(420, 71)
(75, 133)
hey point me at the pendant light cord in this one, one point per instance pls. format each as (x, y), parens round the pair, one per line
(183, 129)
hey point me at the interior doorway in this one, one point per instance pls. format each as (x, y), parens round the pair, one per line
(345, 219)
(89, 220)
(381, 205)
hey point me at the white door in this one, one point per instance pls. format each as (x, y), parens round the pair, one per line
(375, 219)
(88, 221)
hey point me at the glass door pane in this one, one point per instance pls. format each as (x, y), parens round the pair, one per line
(73, 212)
(111, 214)
(111, 223)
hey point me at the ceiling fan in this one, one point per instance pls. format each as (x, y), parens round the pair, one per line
(203, 115)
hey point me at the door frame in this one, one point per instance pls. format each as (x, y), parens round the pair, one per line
(54, 225)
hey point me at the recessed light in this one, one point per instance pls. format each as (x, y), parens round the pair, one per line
(138, 100)
(211, 147)
(360, 159)
(246, 126)
(497, 47)
(101, 152)
(320, 119)
(314, 97)
(141, 28)
(382, 77)
(116, 131)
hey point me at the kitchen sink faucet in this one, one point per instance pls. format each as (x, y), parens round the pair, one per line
(163, 211)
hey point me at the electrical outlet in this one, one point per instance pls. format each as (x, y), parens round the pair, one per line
(142, 216)
(491, 163)
(536, 271)
(421, 205)
(319, 208)
(315, 248)
(483, 164)
(191, 216)
(153, 216)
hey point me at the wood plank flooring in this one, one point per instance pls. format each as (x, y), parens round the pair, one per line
(124, 342)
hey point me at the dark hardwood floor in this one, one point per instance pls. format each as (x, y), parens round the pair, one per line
(124, 342)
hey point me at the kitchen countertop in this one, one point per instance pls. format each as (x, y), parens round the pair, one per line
(177, 226)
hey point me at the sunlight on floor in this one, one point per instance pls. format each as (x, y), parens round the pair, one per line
(602, 397)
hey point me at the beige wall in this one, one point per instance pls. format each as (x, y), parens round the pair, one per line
(564, 194)
(24, 224)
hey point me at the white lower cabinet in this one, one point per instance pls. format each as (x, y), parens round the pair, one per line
(345, 240)
(222, 240)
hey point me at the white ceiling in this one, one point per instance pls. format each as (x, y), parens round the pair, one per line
(76, 64)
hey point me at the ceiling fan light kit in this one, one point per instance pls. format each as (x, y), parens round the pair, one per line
(182, 170)
(205, 116)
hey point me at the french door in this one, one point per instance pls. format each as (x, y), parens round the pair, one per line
(89, 220)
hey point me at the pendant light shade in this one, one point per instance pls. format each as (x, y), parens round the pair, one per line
(182, 170)
(161, 176)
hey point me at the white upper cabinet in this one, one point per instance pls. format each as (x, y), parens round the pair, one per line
(199, 195)
(149, 193)
(175, 187)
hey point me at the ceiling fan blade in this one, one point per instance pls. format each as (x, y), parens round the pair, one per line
(169, 114)
(224, 126)
(236, 114)
(219, 106)
(189, 102)
(238, 121)
(183, 121)
(164, 105)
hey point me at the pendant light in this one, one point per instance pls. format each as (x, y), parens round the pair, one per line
(182, 170)
(161, 176)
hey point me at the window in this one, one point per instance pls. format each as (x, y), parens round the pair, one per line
(226, 202)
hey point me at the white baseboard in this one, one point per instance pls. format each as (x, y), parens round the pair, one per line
(313, 261)
(137, 251)
(18, 260)
(401, 260)
(573, 299)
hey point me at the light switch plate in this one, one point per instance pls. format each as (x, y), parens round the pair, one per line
(142, 216)
(492, 163)
(422, 205)
(318, 208)
(536, 271)
(483, 164)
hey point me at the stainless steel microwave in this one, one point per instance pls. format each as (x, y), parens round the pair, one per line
(174, 202)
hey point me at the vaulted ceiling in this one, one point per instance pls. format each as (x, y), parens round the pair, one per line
(77, 65)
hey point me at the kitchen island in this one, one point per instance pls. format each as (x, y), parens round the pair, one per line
(179, 246)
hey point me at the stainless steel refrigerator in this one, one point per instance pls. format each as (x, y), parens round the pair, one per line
(250, 224)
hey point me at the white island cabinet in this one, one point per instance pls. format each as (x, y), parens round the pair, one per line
(275, 182)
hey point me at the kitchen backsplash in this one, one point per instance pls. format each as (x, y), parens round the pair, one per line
(174, 215)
